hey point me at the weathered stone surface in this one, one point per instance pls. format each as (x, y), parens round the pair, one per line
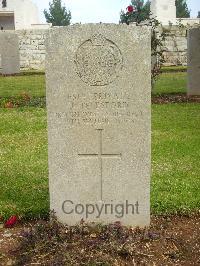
(9, 53)
(32, 48)
(194, 61)
(98, 95)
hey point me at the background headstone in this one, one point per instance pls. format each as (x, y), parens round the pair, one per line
(164, 11)
(99, 108)
(9, 53)
(194, 61)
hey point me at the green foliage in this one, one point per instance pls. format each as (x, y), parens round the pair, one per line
(141, 16)
(141, 13)
(158, 36)
(58, 15)
(182, 10)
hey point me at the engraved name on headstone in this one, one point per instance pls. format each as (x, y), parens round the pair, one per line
(98, 98)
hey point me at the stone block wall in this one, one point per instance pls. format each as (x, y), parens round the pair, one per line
(32, 47)
(175, 46)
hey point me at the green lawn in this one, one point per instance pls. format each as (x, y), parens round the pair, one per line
(171, 83)
(23, 162)
(175, 160)
(23, 150)
(34, 84)
(174, 69)
(175, 157)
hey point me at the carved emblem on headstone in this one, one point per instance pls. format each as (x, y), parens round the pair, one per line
(98, 61)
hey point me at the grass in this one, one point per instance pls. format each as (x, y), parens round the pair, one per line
(175, 160)
(168, 83)
(174, 69)
(23, 162)
(23, 150)
(34, 84)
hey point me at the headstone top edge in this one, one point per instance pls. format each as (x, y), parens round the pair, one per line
(142, 29)
(8, 33)
(194, 29)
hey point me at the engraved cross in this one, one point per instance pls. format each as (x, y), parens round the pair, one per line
(100, 155)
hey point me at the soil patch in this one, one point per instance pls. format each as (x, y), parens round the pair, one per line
(174, 98)
(170, 240)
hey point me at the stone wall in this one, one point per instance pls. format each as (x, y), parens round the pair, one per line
(32, 47)
(176, 46)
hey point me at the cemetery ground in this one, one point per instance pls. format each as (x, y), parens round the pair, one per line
(174, 236)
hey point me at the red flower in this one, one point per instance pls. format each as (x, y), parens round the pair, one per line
(130, 9)
(11, 221)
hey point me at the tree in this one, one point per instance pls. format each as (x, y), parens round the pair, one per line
(137, 12)
(182, 10)
(58, 15)
(198, 15)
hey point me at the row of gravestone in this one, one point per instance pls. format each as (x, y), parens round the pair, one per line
(10, 58)
(99, 122)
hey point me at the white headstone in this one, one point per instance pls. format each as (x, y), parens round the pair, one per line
(164, 11)
(9, 53)
(194, 61)
(99, 109)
